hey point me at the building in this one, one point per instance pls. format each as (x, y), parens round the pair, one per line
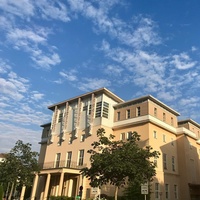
(67, 138)
(2, 157)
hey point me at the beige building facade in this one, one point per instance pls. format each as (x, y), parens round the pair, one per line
(66, 139)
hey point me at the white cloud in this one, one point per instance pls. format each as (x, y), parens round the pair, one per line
(138, 33)
(27, 135)
(46, 60)
(23, 37)
(52, 10)
(88, 84)
(20, 8)
(182, 61)
(70, 75)
(113, 70)
(36, 96)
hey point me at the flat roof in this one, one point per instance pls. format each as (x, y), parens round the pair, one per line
(189, 120)
(99, 91)
(144, 98)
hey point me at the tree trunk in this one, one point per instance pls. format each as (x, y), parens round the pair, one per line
(11, 191)
(116, 192)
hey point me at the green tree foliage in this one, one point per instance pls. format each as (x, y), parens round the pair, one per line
(119, 162)
(19, 165)
(133, 191)
(1, 192)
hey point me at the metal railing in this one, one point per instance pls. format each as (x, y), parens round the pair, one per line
(61, 164)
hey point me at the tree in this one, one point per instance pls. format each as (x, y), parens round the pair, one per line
(119, 162)
(19, 166)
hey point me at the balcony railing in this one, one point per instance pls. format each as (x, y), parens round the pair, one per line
(61, 164)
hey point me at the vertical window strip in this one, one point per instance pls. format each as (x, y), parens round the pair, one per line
(156, 190)
(165, 161)
(81, 157)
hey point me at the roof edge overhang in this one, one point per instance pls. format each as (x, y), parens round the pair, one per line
(98, 91)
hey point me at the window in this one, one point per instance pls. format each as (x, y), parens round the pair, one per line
(165, 161)
(138, 111)
(167, 191)
(90, 107)
(118, 116)
(60, 117)
(122, 136)
(164, 117)
(85, 108)
(154, 134)
(155, 162)
(128, 114)
(175, 191)
(164, 138)
(157, 191)
(173, 163)
(172, 121)
(69, 158)
(82, 138)
(155, 112)
(172, 141)
(105, 109)
(98, 109)
(70, 140)
(129, 135)
(81, 157)
(57, 161)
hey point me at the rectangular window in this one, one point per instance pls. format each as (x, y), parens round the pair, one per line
(157, 191)
(129, 135)
(69, 158)
(172, 141)
(105, 109)
(155, 162)
(85, 108)
(164, 138)
(175, 191)
(155, 112)
(154, 134)
(172, 121)
(165, 161)
(60, 117)
(173, 163)
(122, 136)
(166, 191)
(82, 138)
(57, 161)
(138, 111)
(81, 157)
(98, 109)
(70, 140)
(90, 108)
(118, 116)
(128, 114)
(164, 117)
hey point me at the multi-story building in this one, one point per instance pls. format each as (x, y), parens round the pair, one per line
(66, 139)
(2, 157)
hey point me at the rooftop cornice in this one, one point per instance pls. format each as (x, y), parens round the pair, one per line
(189, 121)
(147, 97)
(85, 95)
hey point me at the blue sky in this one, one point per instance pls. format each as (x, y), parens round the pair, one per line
(54, 50)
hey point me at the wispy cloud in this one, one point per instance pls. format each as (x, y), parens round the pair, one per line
(71, 75)
(182, 61)
(88, 84)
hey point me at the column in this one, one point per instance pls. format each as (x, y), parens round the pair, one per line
(22, 192)
(61, 183)
(70, 187)
(47, 186)
(33, 193)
